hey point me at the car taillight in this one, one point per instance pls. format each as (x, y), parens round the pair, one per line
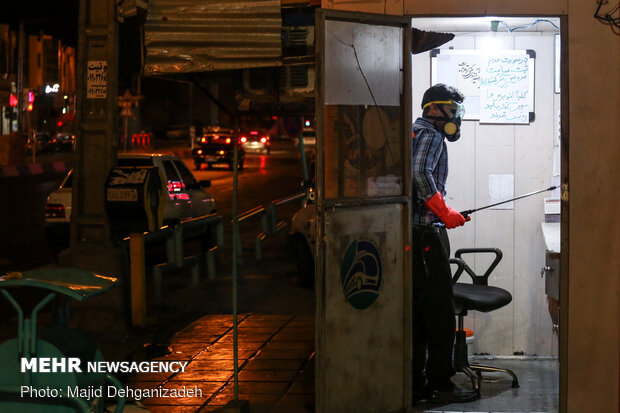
(174, 186)
(227, 140)
(243, 139)
(54, 211)
(221, 152)
(199, 151)
(263, 139)
(203, 140)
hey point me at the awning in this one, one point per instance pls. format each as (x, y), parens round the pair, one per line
(185, 36)
(423, 41)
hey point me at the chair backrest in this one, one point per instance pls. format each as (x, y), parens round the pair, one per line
(463, 267)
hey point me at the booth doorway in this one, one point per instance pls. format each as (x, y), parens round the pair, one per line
(510, 146)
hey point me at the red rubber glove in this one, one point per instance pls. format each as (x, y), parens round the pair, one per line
(447, 215)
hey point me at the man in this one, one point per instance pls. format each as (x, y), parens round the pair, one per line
(433, 309)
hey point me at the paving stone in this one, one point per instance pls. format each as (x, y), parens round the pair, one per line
(267, 375)
(176, 409)
(201, 392)
(196, 374)
(224, 354)
(284, 355)
(298, 403)
(289, 345)
(254, 399)
(283, 364)
(262, 338)
(259, 387)
(302, 387)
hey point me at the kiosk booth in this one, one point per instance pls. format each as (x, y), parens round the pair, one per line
(363, 276)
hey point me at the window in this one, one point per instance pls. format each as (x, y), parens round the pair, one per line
(174, 180)
(135, 162)
(186, 175)
(68, 183)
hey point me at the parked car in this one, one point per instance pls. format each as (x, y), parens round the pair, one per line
(187, 198)
(65, 142)
(308, 136)
(42, 142)
(255, 141)
(215, 148)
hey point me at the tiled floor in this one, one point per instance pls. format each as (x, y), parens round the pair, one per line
(537, 392)
(276, 371)
(276, 365)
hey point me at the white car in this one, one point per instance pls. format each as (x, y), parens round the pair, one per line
(308, 136)
(187, 197)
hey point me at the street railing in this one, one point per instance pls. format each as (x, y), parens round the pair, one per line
(258, 211)
(269, 222)
(201, 228)
(209, 229)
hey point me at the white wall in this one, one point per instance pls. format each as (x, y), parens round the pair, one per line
(525, 151)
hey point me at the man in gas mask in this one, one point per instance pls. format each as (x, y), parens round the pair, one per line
(433, 309)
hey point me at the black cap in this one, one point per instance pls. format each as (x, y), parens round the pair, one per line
(441, 92)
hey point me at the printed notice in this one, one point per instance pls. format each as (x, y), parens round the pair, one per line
(96, 79)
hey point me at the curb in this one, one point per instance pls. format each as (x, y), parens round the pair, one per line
(34, 169)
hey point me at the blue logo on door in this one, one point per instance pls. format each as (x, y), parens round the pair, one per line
(361, 274)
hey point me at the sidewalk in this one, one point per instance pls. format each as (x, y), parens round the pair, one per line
(276, 365)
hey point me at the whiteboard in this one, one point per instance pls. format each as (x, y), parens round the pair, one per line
(498, 86)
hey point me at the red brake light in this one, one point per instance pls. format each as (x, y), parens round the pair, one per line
(199, 151)
(243, 139)
(182, 196)
(227, 140)
(54, 211)
(263, 139)
(203, 140)
(174, 186)
(254, 132)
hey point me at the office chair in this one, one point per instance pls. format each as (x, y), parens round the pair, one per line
(479, 296)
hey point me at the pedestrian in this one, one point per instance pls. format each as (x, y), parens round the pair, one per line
(434, 322)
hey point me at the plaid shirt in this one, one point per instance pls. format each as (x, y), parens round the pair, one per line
(429, 169)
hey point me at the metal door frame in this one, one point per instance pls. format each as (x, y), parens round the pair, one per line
(405, 199)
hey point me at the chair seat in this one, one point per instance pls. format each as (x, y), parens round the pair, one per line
(482, 298)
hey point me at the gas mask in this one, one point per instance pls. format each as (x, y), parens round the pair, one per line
(452, 126)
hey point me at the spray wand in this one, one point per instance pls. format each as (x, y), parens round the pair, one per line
(471, 211)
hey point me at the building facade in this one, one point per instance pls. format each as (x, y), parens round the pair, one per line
(43, 69)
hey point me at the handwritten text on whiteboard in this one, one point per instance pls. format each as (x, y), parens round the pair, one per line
(504, 86)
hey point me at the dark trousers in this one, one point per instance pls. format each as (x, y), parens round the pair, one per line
(433, 309)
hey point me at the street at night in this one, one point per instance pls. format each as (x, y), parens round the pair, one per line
(309, 206)
(265, 178)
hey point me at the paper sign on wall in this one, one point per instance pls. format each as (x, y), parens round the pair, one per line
(501, 188)
(96, 79)
(468, 78)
